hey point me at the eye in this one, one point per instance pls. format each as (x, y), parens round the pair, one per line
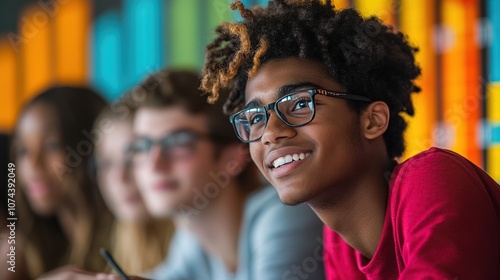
(21, 151)
(256, 118)
(301, 103)
(181, 139)
(52, 146)
(141, 146)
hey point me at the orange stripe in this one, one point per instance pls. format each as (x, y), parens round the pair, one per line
(340, 4)
(8, 89)
(462, 106)
(473, 82)
(417, 21)
(36, 65)
(71, 40)
(454, 75)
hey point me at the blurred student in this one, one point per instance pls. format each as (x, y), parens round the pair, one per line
(138, 242)
(189, 166)
(4, 173)
(62, 217)
(5, 194)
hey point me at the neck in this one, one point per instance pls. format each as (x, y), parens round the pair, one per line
(358, 215)
(67, 221)
(217, 227)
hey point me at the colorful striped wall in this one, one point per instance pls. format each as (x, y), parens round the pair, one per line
(79, 41)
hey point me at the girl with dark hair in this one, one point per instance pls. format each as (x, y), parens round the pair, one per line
(62, 217)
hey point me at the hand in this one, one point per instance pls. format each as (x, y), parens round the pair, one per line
(68, 273)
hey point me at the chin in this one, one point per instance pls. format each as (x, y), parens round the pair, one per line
(43, 210)
(133, 217)
(161, 212)
(291, 197)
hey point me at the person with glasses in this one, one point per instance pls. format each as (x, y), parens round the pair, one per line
(190, 166)
(322, 97)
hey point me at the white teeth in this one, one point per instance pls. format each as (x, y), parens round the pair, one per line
(289, 158)
(279, 162)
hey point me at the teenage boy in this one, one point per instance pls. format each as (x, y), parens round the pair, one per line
(320, 94)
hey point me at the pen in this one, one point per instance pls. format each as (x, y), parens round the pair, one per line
(109, 259)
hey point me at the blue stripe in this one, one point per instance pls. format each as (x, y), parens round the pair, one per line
(262, 2)
(107, 60)
(495, 134)
(143, 41)
(494, 17)
(248, 4)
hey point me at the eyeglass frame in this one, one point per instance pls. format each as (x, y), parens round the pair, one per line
(273, 106)
(158, 142)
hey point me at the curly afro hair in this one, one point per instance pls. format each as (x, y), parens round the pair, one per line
(364, 55)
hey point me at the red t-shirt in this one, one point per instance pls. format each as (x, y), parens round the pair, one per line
(442, 222)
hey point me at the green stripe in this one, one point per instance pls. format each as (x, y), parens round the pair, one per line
(184, 25)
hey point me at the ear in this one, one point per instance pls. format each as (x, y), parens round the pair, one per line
(234, 158)
(374, 120)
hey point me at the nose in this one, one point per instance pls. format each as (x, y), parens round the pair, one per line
(35, 159)
(122, 173)
(157, 159)
(276, 130)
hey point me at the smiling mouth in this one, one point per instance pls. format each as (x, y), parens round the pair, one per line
(284, 160)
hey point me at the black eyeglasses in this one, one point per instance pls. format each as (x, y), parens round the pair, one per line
(174, 146)
(294, 109)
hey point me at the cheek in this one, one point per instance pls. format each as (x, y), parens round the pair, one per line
(192, 171)
(106, 187)
(54, 162)
(22, 171)
(141, 175)
(256, 153)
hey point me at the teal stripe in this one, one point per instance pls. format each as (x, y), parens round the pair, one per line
(107, 50)
(262, 2)
(248, 4)
(143, 39)
(493, 8)
(495, 134)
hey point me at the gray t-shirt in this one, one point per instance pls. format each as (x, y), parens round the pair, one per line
(277, 242)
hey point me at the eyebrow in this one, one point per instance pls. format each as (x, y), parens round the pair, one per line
(282, 91)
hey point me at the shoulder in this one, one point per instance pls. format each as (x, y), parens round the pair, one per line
(185, 258)
(437, 169)
(441, 183)
(272, 228)
(264, 209)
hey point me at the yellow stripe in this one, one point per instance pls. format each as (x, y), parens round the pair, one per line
(417, 22)
(493, 109)
(382, 8)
